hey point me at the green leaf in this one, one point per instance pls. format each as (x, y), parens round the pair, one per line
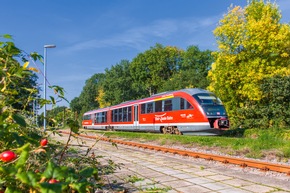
(21, 162)
(29, 178)
(80, 187)
(19, 120)
(87, 172)
(50, 188)
(52, 100)
(7, 36)
(49, 170)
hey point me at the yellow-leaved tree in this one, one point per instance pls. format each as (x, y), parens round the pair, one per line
(253, 45)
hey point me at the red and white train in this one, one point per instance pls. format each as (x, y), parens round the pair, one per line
(188, 111)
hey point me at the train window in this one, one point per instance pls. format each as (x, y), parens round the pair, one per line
(188, 105)
(129, 113)
(168, 105)
(143, 107)
(125, 114)
(184, 104)
(115, 115)
(207, 99)
(149, 107)
(176, 103)
(120, 114)
(97, 119)
(104, 117)
(158, 106)
(86, 117)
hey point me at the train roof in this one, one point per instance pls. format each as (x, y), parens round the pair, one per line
(190, 91)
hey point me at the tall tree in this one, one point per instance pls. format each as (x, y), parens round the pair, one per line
(118, 83)
(253, 45)
(151, 69)
(193, 70)
(87, 99)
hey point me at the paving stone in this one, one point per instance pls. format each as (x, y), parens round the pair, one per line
(165, 178)
(192, 189)
(219, 177)
(182, 167)
(143, 182)
(183, 176)
(152, 174)
(258, 188)
(233, 190)
(280, 192)
(205, 173)
(177, 184)
(199, 180)
(171, 172)
(216, 186)
(238, 182)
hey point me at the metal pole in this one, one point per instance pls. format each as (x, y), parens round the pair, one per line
(44, 85)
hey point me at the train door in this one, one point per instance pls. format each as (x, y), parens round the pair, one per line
(136, 118)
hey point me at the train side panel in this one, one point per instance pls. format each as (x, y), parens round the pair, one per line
(179, 112)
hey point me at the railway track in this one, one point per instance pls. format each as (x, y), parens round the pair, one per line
(264, 166)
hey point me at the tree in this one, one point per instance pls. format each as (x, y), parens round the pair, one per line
(252, 46)
(273, 111)
(151, 69)
(88, 97)
(193, 71)
(117, 85)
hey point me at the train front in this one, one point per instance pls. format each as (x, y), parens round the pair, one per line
(213, 109)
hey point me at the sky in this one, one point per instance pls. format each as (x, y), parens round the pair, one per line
(92, 35)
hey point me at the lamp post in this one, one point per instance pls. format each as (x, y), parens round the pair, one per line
(44, 84)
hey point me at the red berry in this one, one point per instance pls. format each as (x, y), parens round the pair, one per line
(53, 181)
(43, 142)
(7, 156)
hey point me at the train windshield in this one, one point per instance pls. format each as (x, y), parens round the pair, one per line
(211, 104)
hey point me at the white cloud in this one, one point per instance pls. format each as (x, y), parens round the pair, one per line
(138, 37)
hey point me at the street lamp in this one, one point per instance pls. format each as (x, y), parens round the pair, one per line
(44, 84)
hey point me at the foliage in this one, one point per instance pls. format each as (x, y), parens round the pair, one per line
(253, 46)
(57, 116)
(118, 83)
(87, 99)
(273, 110)
(36, 166)
(193, 70)
(151, 69)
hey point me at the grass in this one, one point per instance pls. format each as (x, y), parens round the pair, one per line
(253, 144)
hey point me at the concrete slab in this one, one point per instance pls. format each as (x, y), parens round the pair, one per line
(177, 184)
(238, 182)
(220, 177)
(259, 188)
(233, 190)
(199, 180)
(192, 189)
(165, 178)
(183, 176)
(216, 186)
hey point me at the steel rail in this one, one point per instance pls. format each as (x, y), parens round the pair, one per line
(264, 166)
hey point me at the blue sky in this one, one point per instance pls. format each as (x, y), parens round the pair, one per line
(93, 35)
